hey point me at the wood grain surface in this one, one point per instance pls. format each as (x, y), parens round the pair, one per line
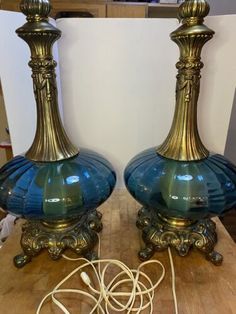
(201, 287)
(127, 10)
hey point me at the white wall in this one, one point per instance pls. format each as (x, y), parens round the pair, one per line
(218, 83)
(117, 83)
(3, 134)
(220, 7)
(16, 82)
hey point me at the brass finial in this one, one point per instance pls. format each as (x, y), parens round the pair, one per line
(36, 9)
(194, 9)
(183, 141)
(51, 142)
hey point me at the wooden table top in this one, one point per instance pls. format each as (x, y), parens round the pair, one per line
(202, 288)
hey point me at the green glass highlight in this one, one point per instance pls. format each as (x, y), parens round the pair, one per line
(191, 190)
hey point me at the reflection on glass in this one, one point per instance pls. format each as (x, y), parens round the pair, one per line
(192, 190)
(58, 190)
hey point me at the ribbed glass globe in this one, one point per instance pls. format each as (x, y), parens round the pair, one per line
(56, 190)
(187, 190)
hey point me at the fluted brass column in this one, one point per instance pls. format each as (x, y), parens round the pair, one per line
(183, 141)
(51, 142)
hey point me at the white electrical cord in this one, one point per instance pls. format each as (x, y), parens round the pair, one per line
(173, 280)
(106, 297)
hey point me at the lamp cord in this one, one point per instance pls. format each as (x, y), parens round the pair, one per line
(173, 280)
(106, 296)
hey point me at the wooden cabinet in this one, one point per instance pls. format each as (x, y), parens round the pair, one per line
(11, 5)
(105, 8)
(96, 8)
(158, 10)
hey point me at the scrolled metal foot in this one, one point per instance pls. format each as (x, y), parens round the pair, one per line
(215, 257)
(146, 253)
(183, 250)
(95, 221)
(21, 260)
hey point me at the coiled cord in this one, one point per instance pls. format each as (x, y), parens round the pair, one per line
(106, 296)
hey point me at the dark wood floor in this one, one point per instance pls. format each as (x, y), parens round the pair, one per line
(229, 221)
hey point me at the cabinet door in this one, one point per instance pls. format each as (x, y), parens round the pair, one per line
(128, 10)
(10, 5)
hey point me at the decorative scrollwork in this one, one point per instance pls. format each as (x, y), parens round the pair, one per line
(190, 65)
(158, 235)
(42, 64)
(80, 238)
(188, 84)
(183, 141)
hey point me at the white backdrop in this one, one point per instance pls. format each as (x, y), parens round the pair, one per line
(118, 84)
(16, 82)
(218, 83)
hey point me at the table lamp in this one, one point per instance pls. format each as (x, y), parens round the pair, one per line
(180, 184)
(54, 186)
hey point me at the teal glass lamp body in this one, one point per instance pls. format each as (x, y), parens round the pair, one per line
(66, 189)
(191, 190)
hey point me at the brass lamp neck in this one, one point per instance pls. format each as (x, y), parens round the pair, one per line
(183, 141)
(51, 142)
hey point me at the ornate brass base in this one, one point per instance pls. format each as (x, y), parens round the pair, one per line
(159, 234)
(80, 237)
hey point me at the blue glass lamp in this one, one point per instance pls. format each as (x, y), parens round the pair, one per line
(180, 184)
(55, 186)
